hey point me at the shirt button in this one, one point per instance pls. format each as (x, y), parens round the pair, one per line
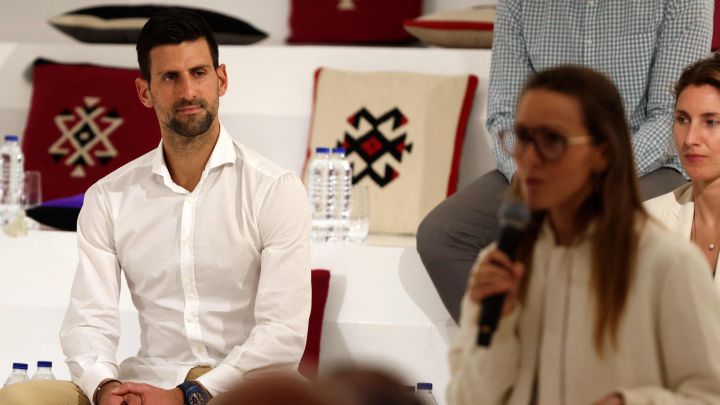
(588, 41)
(191, 319)
(591, 2)
(188, 282)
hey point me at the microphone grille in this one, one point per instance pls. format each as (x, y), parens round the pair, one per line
(513, 213)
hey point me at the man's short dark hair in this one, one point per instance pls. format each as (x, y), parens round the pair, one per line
(173, 26)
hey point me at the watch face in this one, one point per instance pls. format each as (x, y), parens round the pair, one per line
(196, 399)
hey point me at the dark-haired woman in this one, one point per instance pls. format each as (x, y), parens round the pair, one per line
(693, 210)
(603, 306)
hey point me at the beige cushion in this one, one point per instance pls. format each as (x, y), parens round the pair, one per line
(468, 28)
(403, 132)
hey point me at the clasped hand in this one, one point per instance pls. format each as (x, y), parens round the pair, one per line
(140, 394)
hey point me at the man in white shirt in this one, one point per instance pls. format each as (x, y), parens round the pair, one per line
(211, 237)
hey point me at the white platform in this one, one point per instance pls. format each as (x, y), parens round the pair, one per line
(382, 308)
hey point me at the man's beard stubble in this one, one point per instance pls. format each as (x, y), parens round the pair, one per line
(191, 129)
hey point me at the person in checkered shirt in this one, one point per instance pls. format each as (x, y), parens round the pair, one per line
(641, 45)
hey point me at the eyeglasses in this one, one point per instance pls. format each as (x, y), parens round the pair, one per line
(550, 145)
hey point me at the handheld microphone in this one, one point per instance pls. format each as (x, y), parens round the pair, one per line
(513, 218)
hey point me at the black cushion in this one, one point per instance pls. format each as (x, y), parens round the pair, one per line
(63, 218)
(118, 24)
(60, 213)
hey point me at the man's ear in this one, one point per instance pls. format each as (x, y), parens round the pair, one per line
(222, 78)
(143, 90)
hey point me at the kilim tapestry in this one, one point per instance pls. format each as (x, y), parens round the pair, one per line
(85, 121)
(403, 133)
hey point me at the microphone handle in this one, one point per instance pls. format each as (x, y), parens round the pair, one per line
(489, 318)
(492, 306)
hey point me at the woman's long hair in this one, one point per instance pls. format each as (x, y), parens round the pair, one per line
(614, 206)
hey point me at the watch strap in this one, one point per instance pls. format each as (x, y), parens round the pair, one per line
(194, 393)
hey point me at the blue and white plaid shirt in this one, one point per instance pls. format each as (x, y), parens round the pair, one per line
(642, 45)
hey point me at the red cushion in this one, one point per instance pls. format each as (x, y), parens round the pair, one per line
(716, 27)
(311, 356)
(85, 121)
(351, 21)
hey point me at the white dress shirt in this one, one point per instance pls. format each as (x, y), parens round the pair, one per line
(220, 276)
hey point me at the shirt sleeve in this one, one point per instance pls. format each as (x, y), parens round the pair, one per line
(687, 301)
(509, 68)
(91, 329)
(282, 304)
(480, 375)
(684, 38)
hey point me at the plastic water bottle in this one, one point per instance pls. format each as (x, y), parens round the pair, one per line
(321, 194)
(44, 371)
(343, 195)
(424, 393)
(19, 374)
(11, 182)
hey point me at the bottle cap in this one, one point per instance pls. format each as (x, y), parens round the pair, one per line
(11, 138)
(339, 150)
(322, 150)
(20, 366)
(47, 364)
(424, 386)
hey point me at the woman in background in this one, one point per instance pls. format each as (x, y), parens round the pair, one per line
(693, 210)
(603, 305)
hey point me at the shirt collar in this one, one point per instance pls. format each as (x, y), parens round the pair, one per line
(547, 233)
(223, 153)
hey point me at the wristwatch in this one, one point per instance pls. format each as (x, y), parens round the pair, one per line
(195, 393)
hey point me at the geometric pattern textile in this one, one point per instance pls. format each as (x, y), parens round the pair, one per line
(403, 133)
(84, 122)
(373, 144)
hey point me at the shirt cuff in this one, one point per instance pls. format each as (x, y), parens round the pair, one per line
(220, 379)
(93, 376)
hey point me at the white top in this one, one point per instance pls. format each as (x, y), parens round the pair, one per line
(676, 210)
(220, 276)
(668, 336)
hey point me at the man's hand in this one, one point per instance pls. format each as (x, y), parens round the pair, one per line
(104, 397)
(146, 394)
